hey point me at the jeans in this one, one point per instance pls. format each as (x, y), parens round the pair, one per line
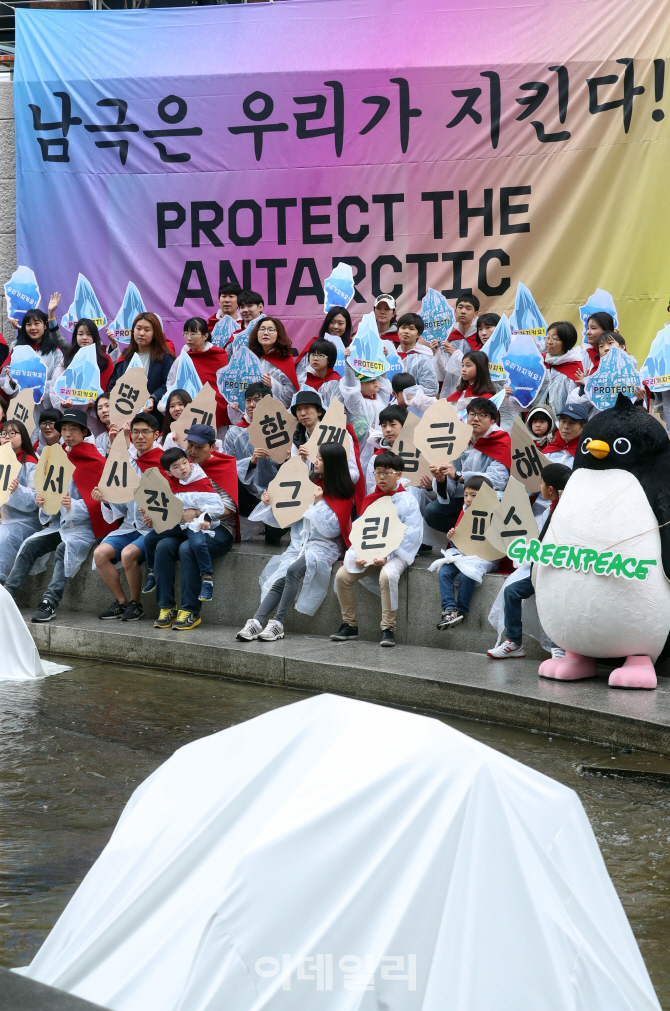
(442, 517)
(283, 593)
(174, 547)
(33, 548)
(198, 540)
(514, 594)
(466, 587)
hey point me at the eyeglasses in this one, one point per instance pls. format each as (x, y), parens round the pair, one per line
(253, 400)
(267, 329)
(477, 417)
(47, 424)
(317, 354)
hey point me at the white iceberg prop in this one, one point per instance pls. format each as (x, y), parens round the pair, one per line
(338, 855)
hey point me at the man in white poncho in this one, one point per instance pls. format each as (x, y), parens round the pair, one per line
(334, 855)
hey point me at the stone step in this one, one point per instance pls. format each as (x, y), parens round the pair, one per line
(237, 595)
(450, 681)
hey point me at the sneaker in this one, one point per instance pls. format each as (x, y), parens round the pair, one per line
(150, 584)
(186, 620)
(388, 638)
(133, 612)
(251, 631)
(166, 618)
(345, 632)
(206, 589)
(506, 649)
(449, 618)
(273, 630)
(115, 610)
(45, 612)
(557, 653)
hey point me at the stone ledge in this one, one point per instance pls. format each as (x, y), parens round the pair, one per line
(454, 682)
(20, 994)
(237, 595)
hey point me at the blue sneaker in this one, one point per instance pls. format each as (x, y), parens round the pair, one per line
(150, 584)
(206, 590)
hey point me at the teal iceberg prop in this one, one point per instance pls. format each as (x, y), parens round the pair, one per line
(393, 362)
(616, 374)
(242, 338)
(496, 347)
(22, 293)
(28, 371)
(599, 301)
(367, 356)
(224, 329)
(131, 307)
(526, 317)
(85, 305)
(233, 380)
(186, 377)
(80, 382)
(655, 372)
(525, 368)
(437, 315)
(338, 287)
(340, 360)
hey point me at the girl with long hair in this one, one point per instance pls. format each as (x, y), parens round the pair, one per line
(270, 343)
(318, 540)
(475, 378)
(42, 333)
(84, 334)
(148, 341)
(176, 401)
(19, 516)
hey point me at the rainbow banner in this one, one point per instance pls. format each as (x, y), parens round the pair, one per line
(427, 143)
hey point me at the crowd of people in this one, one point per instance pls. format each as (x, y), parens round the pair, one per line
(222, 479)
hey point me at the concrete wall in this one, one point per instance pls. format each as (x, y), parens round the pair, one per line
(7, 196)
(237, 594)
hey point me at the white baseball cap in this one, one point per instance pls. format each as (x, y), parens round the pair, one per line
(385, 298)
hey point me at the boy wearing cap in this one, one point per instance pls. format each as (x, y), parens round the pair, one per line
(222, 472)
(71, 532)
(126, 544)
(571, 421)
(309, 410)
(255, 469)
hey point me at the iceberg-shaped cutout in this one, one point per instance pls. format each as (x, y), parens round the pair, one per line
(526, 317)
(338, 287)
(85, 305)
(28, 370)
(224, 329)
(615, 374)
(186, 377)
(241, 340)
(80, 382)
(22, 293)
(525, 368)
(340, 360)
(131, 307)
(655, 372)
(393, 361)
(437, 315)
(367, 356)
(599, 301)
(233, 379)
(496, 346)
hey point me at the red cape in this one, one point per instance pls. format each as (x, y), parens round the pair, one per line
(207, 364)
(473, 340)
(376, 494)
(221, 469)
(315, 383)
(284, 365)
(88, 468)
(243, 423)
(568, 369)
(26, 457)
(594, 356)
(559, 445)
(342, 508)
(204, 484)
(106, 374)
(498, 446)
(454, 397)
(151, 459)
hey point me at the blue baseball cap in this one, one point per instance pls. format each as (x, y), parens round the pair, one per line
(201, 434)
(575, 411)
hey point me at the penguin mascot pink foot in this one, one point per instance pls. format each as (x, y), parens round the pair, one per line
(603, 582)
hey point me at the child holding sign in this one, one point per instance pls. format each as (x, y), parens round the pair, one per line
(255, 469)
(317, 541)
(19, 514)
(383, 574)
(469, 568)
(189, 483)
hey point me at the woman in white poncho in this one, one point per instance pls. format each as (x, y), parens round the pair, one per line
(271, 345)
(19, 514)
(317, 541)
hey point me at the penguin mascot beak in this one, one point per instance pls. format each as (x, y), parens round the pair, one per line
(598, 449)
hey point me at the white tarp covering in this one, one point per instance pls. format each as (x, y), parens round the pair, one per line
(19, 660)
(336, 855)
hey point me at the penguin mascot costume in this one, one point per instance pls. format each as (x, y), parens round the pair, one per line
(617, 503)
